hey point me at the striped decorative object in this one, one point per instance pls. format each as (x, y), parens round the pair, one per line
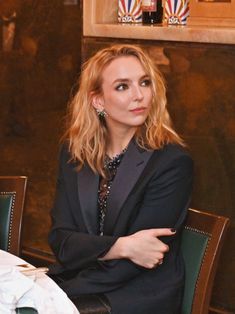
(176, 11)
(129, 11)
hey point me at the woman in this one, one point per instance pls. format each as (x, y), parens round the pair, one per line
(123, 189)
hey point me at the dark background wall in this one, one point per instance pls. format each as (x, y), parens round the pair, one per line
(36, 78)
(36, 85)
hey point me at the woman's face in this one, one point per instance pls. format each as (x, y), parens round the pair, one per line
(127, 94)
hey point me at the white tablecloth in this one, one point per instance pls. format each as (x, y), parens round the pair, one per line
(37, 290)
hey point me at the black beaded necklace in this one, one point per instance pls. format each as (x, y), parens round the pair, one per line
(112, 163)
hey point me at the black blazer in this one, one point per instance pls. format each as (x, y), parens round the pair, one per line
(151, 190)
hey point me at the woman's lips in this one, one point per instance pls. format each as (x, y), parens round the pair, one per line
(138, 110)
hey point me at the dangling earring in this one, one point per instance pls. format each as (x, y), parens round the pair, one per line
(101, 113)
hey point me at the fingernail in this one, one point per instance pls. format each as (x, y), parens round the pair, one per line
(173, 230)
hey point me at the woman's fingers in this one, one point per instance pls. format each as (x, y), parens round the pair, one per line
(146, 249)
(160, 232)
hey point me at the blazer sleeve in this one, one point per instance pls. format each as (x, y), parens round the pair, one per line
(165, 205)
(74, 248)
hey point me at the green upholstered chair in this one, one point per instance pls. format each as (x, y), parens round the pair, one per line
(202, 240)
(26, 310)
(12, 196)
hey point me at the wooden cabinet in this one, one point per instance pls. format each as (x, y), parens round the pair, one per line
(100, 20)
(212, 12)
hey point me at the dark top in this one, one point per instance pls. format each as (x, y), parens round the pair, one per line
(151, 189)
(110, 167)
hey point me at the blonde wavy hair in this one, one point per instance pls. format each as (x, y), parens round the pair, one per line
(87, 133)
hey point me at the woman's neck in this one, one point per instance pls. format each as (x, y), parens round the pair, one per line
(118, 141)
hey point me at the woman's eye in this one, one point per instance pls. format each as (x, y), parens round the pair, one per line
(121, 87)
(146, 82)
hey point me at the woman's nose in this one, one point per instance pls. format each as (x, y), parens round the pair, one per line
(137, 93)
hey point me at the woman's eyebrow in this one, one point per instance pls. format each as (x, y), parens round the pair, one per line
(145, 76)
(121, 80)
(125, 80)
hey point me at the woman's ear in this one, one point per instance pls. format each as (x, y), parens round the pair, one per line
(97, 102)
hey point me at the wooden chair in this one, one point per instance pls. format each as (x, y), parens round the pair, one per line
(12, 196)
(202, 240)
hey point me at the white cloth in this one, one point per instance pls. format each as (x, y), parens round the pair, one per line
(37, 291)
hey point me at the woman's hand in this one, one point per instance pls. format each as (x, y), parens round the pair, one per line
(142, 248)
(145, 249)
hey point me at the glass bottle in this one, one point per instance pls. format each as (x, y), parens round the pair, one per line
(152, 11)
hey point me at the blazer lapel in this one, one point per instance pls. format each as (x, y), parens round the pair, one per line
(88, 183)
(130, 169)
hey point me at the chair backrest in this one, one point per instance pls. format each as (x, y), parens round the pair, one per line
(12, 196)
(202, 240)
